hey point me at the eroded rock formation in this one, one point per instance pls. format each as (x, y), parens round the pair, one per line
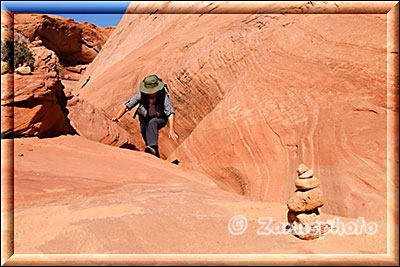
(257, 94)
(253, 99)
(34, 104)
(73, 42)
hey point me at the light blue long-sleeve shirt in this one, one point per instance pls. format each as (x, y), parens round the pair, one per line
(136, 99)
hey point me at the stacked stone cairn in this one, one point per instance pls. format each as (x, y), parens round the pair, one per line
(303, 216)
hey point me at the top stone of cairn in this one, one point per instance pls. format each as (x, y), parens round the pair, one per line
(302, 169)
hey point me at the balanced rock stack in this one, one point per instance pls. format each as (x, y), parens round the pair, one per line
(303, 215)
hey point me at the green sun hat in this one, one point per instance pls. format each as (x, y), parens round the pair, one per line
(151, 84)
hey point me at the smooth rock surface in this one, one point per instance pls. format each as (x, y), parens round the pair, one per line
(76, 196)
(93, 124)
(257, 94)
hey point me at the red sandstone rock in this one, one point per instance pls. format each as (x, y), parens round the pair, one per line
(45, 60)
(7, 25)
(257, 94)
(81, 196)
(293, 101)
(302, 217)
(307, 174)
(7, 28)
(73, 42)
(307, 183)
(308, 218)
(302, 169)
(34, 104)
(34, 107)
(23, 70)
(93, 124)
(308, 200)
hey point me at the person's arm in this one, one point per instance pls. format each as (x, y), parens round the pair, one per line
(169, 111)
(171, 121)
(121, 113)
(128, 106)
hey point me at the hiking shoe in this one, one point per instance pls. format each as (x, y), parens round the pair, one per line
(150, 150)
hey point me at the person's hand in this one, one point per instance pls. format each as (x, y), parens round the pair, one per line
(172, 135)
(115, 119)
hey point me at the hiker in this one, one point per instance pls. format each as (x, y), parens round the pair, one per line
(154, 111)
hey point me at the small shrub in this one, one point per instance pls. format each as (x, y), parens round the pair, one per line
(60, 69)
(22, 55)
(16, 54)
(7, 47)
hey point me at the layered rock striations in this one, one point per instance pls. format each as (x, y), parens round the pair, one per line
(256, 94)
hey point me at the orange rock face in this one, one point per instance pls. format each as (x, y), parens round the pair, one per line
(35, 108)
(73, 42)
(257, 94)
(93, 124)
(34, 104)
(81, 196)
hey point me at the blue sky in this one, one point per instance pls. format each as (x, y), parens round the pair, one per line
(103, 20)
(100, 13)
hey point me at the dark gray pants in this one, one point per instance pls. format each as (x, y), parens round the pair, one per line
(150, 127)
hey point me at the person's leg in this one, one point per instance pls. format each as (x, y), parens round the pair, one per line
(155, 124)
(143, 127)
